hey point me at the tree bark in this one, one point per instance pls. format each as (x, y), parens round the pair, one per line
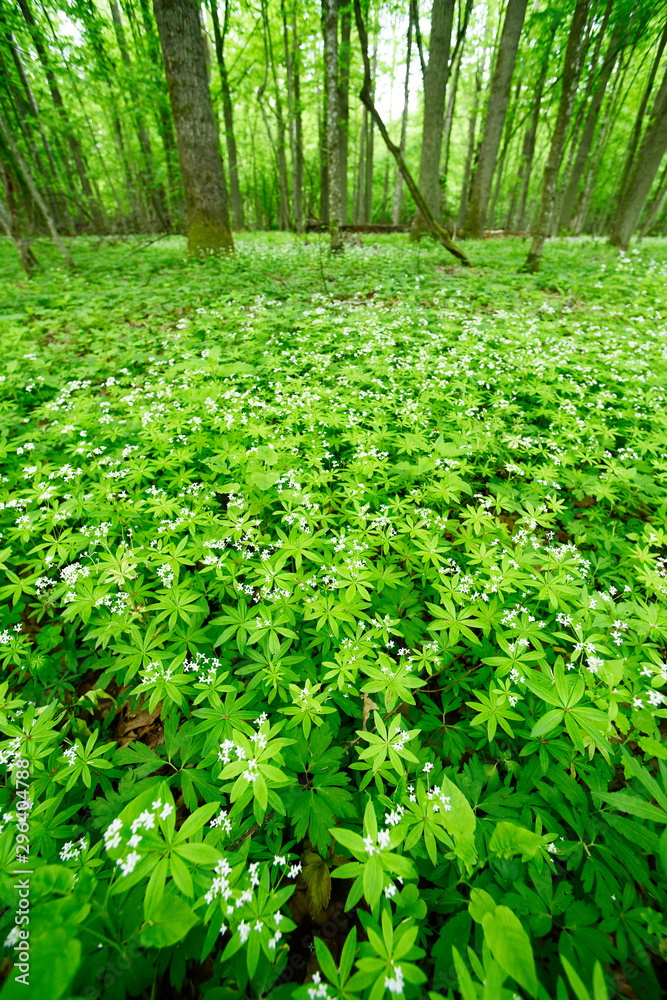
(330, 32)
(638, 187)
(435, 86)
(432, 224)
(230, 139)
(196, 133)
(571, 71)
(499, 96)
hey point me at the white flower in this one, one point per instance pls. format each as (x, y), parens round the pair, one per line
(128, 865)
(244, 931)
(395, 984)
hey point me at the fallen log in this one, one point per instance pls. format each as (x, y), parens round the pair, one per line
(315, 226)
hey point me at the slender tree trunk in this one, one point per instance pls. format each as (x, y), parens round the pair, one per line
(153, 189)
(196, 133)
(230, 139)
(472, 124)
(596, 158)
(32, 187)
(499, 96)
(571, 71)
(640, 119)
(56, 97)
(433, 225)
(10, 223)
(324, 158)
(368, 181)
(509, 134)
(398, 191)
(344, 55)
(32, 103)
(447, 130)
(638, 186)
(330, 32)
(586, 141)
(657, 205)
(281, 157)
(435, 85)
(359, 200)
(385, 194)
(291, 54)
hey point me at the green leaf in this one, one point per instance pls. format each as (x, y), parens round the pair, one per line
(170, 923)
(547, 723)
(509, 839)
(459, 820)
(510, 946)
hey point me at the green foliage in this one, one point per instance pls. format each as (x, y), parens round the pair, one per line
(335, 614)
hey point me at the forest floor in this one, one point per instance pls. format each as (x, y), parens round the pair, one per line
(256, 463)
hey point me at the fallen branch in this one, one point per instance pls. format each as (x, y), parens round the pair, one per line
(315, 226)
(437, 231)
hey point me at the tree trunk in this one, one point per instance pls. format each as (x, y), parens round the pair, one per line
(324, 159)
(616, 100)
(10, 224)
(330, 32)
(32, 187)
(292, 71)
(454, 74)
(509, 135)
(398, 191)
(196, 133)
(368, 180)
(472, 123)
(432, 224)
(281, 158)
(633, 145)
(638, 187)
(230, 139)
(656, 206)
(72, 140)
(586, 141)
(297, 166)
(571, 71)
(499, 96)
(153, 189)
(344, 98)
(361, 173)
(435, 86)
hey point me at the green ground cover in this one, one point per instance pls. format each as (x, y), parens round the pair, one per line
(334, 621)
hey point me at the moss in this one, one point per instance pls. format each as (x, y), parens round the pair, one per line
(205, 238)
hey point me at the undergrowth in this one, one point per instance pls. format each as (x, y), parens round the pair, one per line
(334, 622)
